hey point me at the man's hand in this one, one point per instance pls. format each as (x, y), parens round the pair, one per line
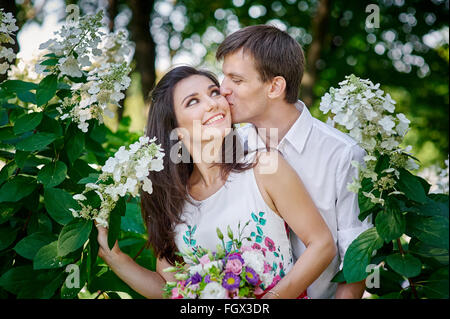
(351, 291)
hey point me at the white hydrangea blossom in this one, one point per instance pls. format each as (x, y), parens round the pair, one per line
(438, 178)
(7, 29)
(213, 290)
(368, 115)
(103, 59)
(120, 177)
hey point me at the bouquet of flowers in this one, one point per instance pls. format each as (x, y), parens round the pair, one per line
(237, 273)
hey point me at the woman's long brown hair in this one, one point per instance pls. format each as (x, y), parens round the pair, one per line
(162, 209)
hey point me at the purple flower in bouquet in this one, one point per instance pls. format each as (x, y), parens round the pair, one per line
(236, 256)
(194, 279)
(208, 278)
(231, 281)
(251, 276)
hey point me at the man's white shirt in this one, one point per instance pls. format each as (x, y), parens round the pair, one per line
(321, 155)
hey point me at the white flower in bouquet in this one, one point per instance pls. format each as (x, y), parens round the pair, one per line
(120, 177)
(213, 290)
(368, 116)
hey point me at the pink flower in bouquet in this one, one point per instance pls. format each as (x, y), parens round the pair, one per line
(234, 266)
(204, 260)
(176, 294)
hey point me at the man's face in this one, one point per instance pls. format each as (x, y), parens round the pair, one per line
(242, 88)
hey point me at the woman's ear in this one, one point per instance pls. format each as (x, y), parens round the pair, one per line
(277, 87)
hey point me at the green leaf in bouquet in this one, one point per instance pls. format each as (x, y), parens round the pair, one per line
(52, 174)
(36, 142)
(411, 186)
(74, 235)
(339, 277)
(406, 265)
(115, 218)
(47, 257)
(46, 89)
(17, 188)
(7, 236)
(433, 230)
(359, 253)
(27, 122)
(383, 163)
(390, 222)
(30, 245)
(57, 202)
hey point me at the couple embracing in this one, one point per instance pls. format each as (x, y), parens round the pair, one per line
(310, 217)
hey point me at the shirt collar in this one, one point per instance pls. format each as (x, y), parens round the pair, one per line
(299, 131)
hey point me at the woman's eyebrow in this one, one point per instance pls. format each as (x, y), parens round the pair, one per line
(192, 94)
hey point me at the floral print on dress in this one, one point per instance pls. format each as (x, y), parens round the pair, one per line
(276, 259)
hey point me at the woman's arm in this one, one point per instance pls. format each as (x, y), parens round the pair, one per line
(144, 281)
(285, 193)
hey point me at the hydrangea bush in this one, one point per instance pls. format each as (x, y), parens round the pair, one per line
(408, 246)
(58, 160)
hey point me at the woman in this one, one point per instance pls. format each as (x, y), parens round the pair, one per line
(190, 200)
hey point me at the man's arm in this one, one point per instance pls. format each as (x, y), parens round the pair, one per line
(347, 211)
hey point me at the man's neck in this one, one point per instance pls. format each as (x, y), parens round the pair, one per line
(281, 117)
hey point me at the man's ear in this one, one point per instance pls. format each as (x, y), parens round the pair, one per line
(277, 87)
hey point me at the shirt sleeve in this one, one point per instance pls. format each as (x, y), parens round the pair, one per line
(347, 209)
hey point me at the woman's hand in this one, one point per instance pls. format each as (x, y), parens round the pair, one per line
(104, 252)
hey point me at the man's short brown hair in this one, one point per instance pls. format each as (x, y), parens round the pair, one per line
(275, 53)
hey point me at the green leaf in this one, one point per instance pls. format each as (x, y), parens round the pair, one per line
(7, 133)
(365, 204)
(7, 236)
(57, 202)
(74, 144)
(431, 230)
(46, 89)
(7, 171)
(411, 186)
(406, 265)
(92, 178)
(36, 142)
(359, 253)
(15, 279)
(390, 222)
(422, 249)
(27, 96)
(339, 277)
(436, 286)
(132, 221)
(433, 208)
(52, 174)
(20, 158)
(18, 85)
(29, 246)
(115, 221)
(39, 222)
(47, 258)
(27, 122)
(73, 235)
(17, 188)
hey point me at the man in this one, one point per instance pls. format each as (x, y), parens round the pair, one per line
(263, 68)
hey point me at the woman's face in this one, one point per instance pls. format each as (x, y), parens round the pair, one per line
(201, 111)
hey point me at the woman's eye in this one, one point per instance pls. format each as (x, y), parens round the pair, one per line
(215, 93)
(192, 102)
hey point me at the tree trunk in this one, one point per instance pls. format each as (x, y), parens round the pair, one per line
(10, 6)
(145, 53)
(319, 31)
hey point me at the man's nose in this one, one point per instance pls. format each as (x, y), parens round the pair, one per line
(224, 90)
